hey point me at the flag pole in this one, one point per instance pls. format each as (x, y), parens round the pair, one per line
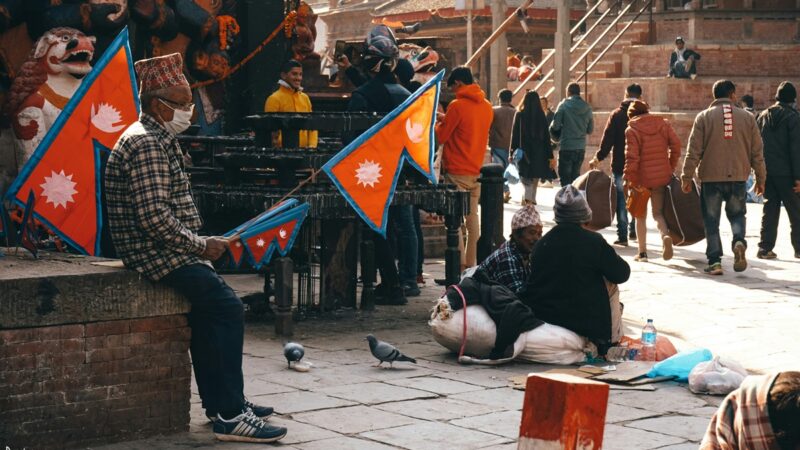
(289, 194)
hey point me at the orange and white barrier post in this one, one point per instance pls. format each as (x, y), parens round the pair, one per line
(563, 412)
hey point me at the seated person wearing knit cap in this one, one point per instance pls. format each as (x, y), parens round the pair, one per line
(509, 265)
(574, 274)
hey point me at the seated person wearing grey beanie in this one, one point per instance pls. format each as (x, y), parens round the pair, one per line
(574, 275)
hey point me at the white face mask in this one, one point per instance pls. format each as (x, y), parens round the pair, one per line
(181, 120)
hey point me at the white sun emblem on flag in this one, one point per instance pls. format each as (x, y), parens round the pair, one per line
(260, 242)
(282, 233)
(368, 173)
(59, 189)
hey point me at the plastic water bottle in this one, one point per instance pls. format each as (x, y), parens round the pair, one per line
(649, 335)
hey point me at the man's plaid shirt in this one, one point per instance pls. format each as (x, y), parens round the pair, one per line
(508, 266)
(151, 213)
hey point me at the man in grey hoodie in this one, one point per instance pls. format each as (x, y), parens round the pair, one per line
(780, 131)
(572, 122)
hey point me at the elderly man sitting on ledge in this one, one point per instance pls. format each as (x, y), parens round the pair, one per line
(574, 275)
(509, 265)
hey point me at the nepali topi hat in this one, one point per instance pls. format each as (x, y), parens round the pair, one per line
(160, 72)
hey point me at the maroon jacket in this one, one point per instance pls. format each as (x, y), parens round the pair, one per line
(614, 138)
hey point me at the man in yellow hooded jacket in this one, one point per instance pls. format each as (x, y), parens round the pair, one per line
(290, 98)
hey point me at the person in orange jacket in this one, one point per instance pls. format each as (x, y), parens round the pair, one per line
(652, 152)
(464, 132)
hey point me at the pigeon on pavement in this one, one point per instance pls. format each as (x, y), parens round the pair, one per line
(293, 352)
(386, 352)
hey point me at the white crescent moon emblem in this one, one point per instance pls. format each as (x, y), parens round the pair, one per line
(282, 233)
(414, 131)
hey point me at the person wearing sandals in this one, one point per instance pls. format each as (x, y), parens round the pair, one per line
(652, 152)
(529, 135)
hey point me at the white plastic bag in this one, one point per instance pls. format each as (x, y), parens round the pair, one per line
(719, 376)
(552, 344)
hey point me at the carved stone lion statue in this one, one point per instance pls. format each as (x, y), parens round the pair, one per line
(45, 83)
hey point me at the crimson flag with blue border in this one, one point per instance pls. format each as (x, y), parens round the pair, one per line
(273, 230)
(366, 170)
(65, 171)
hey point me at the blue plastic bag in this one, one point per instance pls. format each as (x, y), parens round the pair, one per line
(519, 153)
(681, 364)
(511, 174)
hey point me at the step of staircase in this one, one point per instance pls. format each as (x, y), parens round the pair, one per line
(770, 60)
(670, 94)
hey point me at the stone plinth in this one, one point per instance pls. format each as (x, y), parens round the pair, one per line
(88, 354)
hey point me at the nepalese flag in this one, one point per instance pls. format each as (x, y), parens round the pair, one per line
(366, 171)
(237, 249)
(261, 240)
(65, 171)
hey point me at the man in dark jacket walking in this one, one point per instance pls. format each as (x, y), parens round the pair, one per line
(613, 143)
(574, 274)
(780, 131)
(572, 122)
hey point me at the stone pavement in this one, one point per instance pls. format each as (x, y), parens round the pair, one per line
(345, 403)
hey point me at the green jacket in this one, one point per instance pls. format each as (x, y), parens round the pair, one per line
(572, 122)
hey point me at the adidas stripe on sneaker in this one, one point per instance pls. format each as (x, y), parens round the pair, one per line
(247, 427)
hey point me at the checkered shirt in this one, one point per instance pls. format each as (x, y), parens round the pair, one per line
(742, 420)
(152, 216)
(508, 266)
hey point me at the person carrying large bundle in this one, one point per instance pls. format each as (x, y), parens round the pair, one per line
(652, 152)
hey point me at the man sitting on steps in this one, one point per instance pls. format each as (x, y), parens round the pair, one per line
(682, 61)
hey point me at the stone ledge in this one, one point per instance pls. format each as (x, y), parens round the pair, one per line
(60, 289)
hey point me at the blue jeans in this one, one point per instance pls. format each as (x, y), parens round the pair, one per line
(712, 195)
(217, 323)
(500, 156)
(407, 248)
(569, 165)
(622, 211)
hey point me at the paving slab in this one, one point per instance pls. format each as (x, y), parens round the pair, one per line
(658, 400)
(436, 385)
(504, 423)
(687, 446)
(385, 372)
(265, 385)
(437, 409)
(617, 437)
(687, 427)
(358, 419)
(434, 435)
(343, 357)
(317, 378)
(706, 411)
(490, 378)
(375, 393)
(300, 401)
(506, 398)
(343, 443)
(620, 413)
(299, 432)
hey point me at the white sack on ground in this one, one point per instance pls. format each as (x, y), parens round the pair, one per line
(545, 344)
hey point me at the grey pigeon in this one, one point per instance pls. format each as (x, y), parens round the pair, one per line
(293, 352)
(386, 352)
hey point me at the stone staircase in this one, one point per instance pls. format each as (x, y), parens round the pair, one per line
(756, 67)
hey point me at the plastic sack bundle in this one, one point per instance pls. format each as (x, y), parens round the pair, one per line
(719, 376)
(547, 343)
(680, 365)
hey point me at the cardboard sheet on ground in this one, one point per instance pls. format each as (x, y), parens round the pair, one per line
(518, 382)
(114, 263)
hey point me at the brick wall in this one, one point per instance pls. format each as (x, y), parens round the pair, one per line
(750, 60)
(716, 26)
(75, 385)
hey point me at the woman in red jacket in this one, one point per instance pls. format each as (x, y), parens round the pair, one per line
(652, 151)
